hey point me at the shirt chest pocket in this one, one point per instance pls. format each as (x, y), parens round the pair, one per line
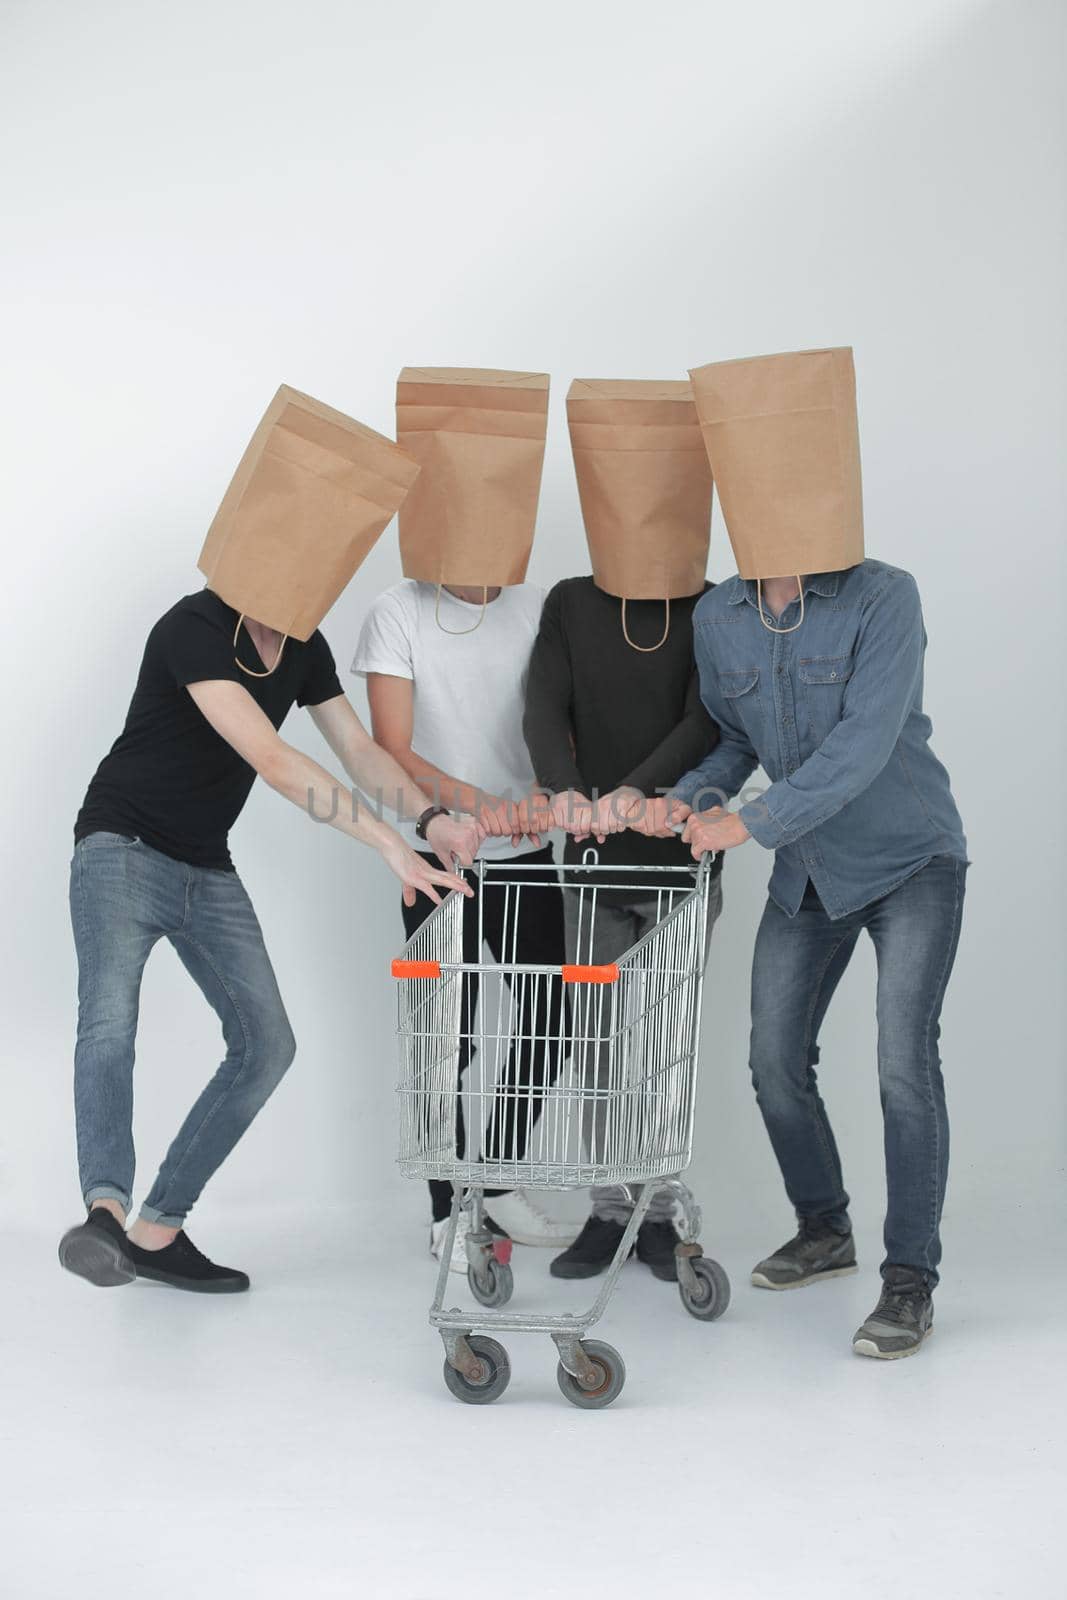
(741, 691)
(822, 692)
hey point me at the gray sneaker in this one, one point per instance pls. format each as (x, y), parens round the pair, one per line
(816, 1252)
(902, 1319)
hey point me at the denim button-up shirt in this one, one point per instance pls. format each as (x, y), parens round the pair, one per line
(833, 713)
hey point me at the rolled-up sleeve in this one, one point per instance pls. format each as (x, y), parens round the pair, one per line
(886, 675)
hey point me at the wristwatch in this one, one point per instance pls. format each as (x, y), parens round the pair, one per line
(427, 817)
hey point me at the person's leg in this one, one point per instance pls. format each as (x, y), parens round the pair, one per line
(531, 933)
(220, 944)
(414, 916)
(796, 966)
(598, 930)
(525, 929)
(916, 932)
(120, 904)
(661, 1207)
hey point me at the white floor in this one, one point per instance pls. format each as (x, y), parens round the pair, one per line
(299, 1440)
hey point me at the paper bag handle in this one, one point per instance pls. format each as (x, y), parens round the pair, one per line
(762, 615)
(647, 649)
(251, 671)
(458, 632)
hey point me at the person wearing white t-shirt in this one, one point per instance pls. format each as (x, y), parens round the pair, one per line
(446, 683)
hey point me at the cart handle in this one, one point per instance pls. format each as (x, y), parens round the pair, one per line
(571, 973)
(416, 969)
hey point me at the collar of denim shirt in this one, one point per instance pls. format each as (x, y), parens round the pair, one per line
(824, 583)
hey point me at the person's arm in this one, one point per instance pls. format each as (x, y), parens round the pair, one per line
(886, 673)
(392, 712)
(378, 772)
(237, 718)
(689, 742)
(548, 722)
(725, 769)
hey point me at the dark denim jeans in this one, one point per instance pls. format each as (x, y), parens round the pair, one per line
(797, 965)
(124, 897)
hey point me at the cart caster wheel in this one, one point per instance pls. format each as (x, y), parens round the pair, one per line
(712, 1294)
(495, 1375)
(610, 1377)
(494, 1286)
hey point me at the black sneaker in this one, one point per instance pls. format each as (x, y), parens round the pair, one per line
(655, 1247)
(815, 1252)
(902, 1319)
(98, 1250)
(592, 1252)
(183, 1266)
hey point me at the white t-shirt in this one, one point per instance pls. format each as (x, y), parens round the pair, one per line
(469, 687)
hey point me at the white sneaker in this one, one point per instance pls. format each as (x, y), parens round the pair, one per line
(523, 1222)
(438, 1235)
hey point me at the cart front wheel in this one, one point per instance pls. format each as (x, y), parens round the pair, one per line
(493, 1286)
(610, 1376)
(493, 1379)
(711, 1296)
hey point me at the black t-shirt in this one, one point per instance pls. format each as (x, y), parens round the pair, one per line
(600, 713)
(169, 778)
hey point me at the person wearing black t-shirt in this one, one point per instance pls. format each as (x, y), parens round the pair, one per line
(151, 861)
(614, 717)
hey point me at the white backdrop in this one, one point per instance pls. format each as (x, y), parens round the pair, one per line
(204, 200)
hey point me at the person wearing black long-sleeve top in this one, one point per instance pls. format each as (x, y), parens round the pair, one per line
(613, 709)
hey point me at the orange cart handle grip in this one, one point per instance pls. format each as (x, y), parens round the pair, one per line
(416, 969)
(608, 973)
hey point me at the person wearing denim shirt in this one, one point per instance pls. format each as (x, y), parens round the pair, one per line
(826, 694)
(866, 834)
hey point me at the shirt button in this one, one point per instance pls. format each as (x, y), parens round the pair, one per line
(781, 666)
(833, 675)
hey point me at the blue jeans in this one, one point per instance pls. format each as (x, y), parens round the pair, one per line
(124, 897)
(797, 965)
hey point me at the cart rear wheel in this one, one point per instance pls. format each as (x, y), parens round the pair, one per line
(494, 1285)
(610, 1377)
(712, 1294)
(493, 1379)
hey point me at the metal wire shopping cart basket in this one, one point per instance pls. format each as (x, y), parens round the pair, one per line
(583, 1074)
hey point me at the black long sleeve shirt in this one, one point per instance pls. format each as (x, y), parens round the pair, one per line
(600, 713)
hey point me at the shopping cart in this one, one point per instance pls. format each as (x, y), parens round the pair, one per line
(581, 1074)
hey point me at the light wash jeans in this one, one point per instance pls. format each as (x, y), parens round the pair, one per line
(124, 897)
(797, 965)
(602, 936)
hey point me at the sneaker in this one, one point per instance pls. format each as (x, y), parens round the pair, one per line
(181, 1265)
(525, 1223)
(815, 1252)
(439, 1233)
(98, 1250)
(592, 1252)
(655, 1247)
(902, 1319)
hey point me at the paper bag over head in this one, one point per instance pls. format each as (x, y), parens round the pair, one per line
(312, 493)
(783, 441)
(644, 484)
(479, 436)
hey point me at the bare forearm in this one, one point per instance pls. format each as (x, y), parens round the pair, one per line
(444, 787)
(308, 785)
(389, 781)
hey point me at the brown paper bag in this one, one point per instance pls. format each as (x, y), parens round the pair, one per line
(783, 441)
(644, 485)
(312, 493)
(479, 437)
